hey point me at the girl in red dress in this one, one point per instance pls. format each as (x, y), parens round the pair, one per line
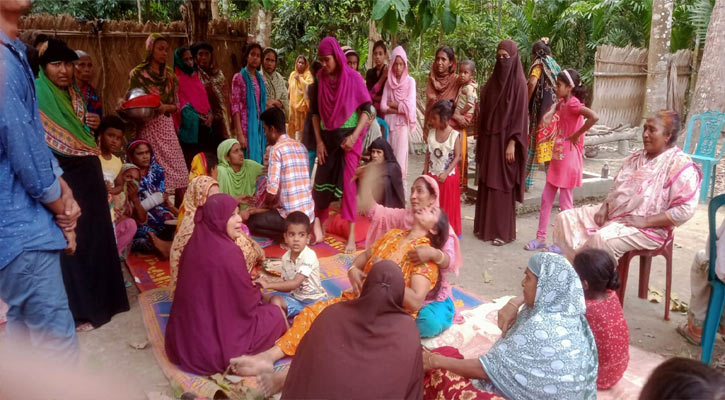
(597, 271)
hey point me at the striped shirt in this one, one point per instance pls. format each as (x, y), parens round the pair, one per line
(289, 177)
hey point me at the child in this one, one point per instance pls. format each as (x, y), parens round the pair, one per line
(463, 114)
(126, 206)
(109, 136)
(565, 168)
(300, 269)
(441, 161)
(683, 379)
(597, 271)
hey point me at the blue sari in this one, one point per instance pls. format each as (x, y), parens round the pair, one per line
(255, 131)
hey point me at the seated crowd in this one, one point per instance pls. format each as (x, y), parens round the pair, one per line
(197, 182)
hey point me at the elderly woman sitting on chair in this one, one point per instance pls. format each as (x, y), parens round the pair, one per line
(654, 191)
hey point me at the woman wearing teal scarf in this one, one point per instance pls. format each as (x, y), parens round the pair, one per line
(194, 119)
(237, 175)
(548, 353)
(249, 99)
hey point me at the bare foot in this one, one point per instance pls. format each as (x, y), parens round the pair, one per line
(350, 247)
(162, 246)
(317, 231)
(251, 365)
(86, 327)
(272, 382)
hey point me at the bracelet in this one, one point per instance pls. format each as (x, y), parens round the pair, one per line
(511, 304)
(443, 257)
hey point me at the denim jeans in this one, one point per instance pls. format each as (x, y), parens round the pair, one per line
(32, 286)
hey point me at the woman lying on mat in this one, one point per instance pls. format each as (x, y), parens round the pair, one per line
(217, 312)
(548, 353)
(430, 228)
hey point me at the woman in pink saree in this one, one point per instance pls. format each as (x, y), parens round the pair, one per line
(654, 191)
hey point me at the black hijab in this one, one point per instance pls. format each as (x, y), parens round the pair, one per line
(393, 195)
(367, 348)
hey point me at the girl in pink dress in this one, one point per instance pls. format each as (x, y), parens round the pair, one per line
(597, 271)
(565, 168)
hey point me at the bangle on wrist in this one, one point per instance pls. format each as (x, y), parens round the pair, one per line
(443, 258)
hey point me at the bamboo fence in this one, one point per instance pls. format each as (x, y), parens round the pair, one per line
(119, 46)
(620, 83)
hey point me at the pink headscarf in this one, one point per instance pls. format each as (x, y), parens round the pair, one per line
(340, 96)
(400, 90)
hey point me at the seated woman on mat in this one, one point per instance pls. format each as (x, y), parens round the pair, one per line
(154, 234)
(217, 312)
(198, 191)
(548, 353)
(373, 327)
(438, 312)
(430, 229)
(237, 175)
(654, 191)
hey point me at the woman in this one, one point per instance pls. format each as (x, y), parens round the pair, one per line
(155, 234)
(299, 79)
(216, 89)
(430, 229)
(438, 313)
(340, 114)
(215, 302)
(541, 83)
(548, 353)
(83, 75)
(237, 176)
(376, 76)
(442, 81)
(193, 121)
(653, 192)
(387, 366)
(249, 100)
(153, 76)
(92, 276)
(388, 181)
(277, 95)
(398, 105)
(199, 190)
(501, 148)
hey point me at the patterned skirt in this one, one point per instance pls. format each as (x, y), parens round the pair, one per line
(160, 132)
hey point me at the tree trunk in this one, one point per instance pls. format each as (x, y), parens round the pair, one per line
(214, 9)
(199, 12)
(262, 22)
(373, 36)
(138, 7)
(658, 56)
(710, 87)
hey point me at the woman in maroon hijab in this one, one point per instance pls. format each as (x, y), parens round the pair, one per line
(217, 312)
(339, 117)
(501, 147)
(367, 348)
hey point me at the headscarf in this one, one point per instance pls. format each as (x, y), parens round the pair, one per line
(62, 112)
(504, 98)
(179, 61)
(143, 77)
(399, 90)
(236, 183)
(550, 351)
(367, 348)
(338, 98)
(215, 302)
(297, 99)
(439, 87)
(191, 92)
(392, 178)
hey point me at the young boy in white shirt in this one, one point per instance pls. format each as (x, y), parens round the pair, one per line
(301, 285)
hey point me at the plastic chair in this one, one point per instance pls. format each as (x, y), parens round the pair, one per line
(645, 265)
(717, 295)
(711, 123)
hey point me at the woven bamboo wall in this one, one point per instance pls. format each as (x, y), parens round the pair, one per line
(620, 80)
(120, 46)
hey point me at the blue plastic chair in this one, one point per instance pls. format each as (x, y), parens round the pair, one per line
(717, 295)
(711, 123)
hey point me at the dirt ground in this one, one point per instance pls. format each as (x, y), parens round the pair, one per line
(108, 349)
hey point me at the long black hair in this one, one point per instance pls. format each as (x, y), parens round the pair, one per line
(580, 90)
(441, 228)
(541, 49)
(598, 268)
(248, 49)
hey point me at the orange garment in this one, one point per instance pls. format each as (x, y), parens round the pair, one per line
(389, 247)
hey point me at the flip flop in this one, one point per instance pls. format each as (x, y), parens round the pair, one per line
(498, 242)
(683, 331)
(553, 249)
(535, 244)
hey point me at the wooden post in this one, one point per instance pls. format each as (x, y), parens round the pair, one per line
(199, 12)
(658, 56)
(373, 36)
(214, 9)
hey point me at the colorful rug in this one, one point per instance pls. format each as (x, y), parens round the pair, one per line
(156, 305)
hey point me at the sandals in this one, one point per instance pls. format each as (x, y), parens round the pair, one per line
(553, 249)
(498, 242)
(684, 330)
(535, 244)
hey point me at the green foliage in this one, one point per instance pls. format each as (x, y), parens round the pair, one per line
(154, 10)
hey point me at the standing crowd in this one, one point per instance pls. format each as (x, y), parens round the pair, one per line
(291, 159)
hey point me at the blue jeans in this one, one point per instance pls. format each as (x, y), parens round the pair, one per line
(435, 318)
(38, 312)
(295, 306)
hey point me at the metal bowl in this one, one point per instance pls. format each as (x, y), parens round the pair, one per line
(140, 113)
(133, 93)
